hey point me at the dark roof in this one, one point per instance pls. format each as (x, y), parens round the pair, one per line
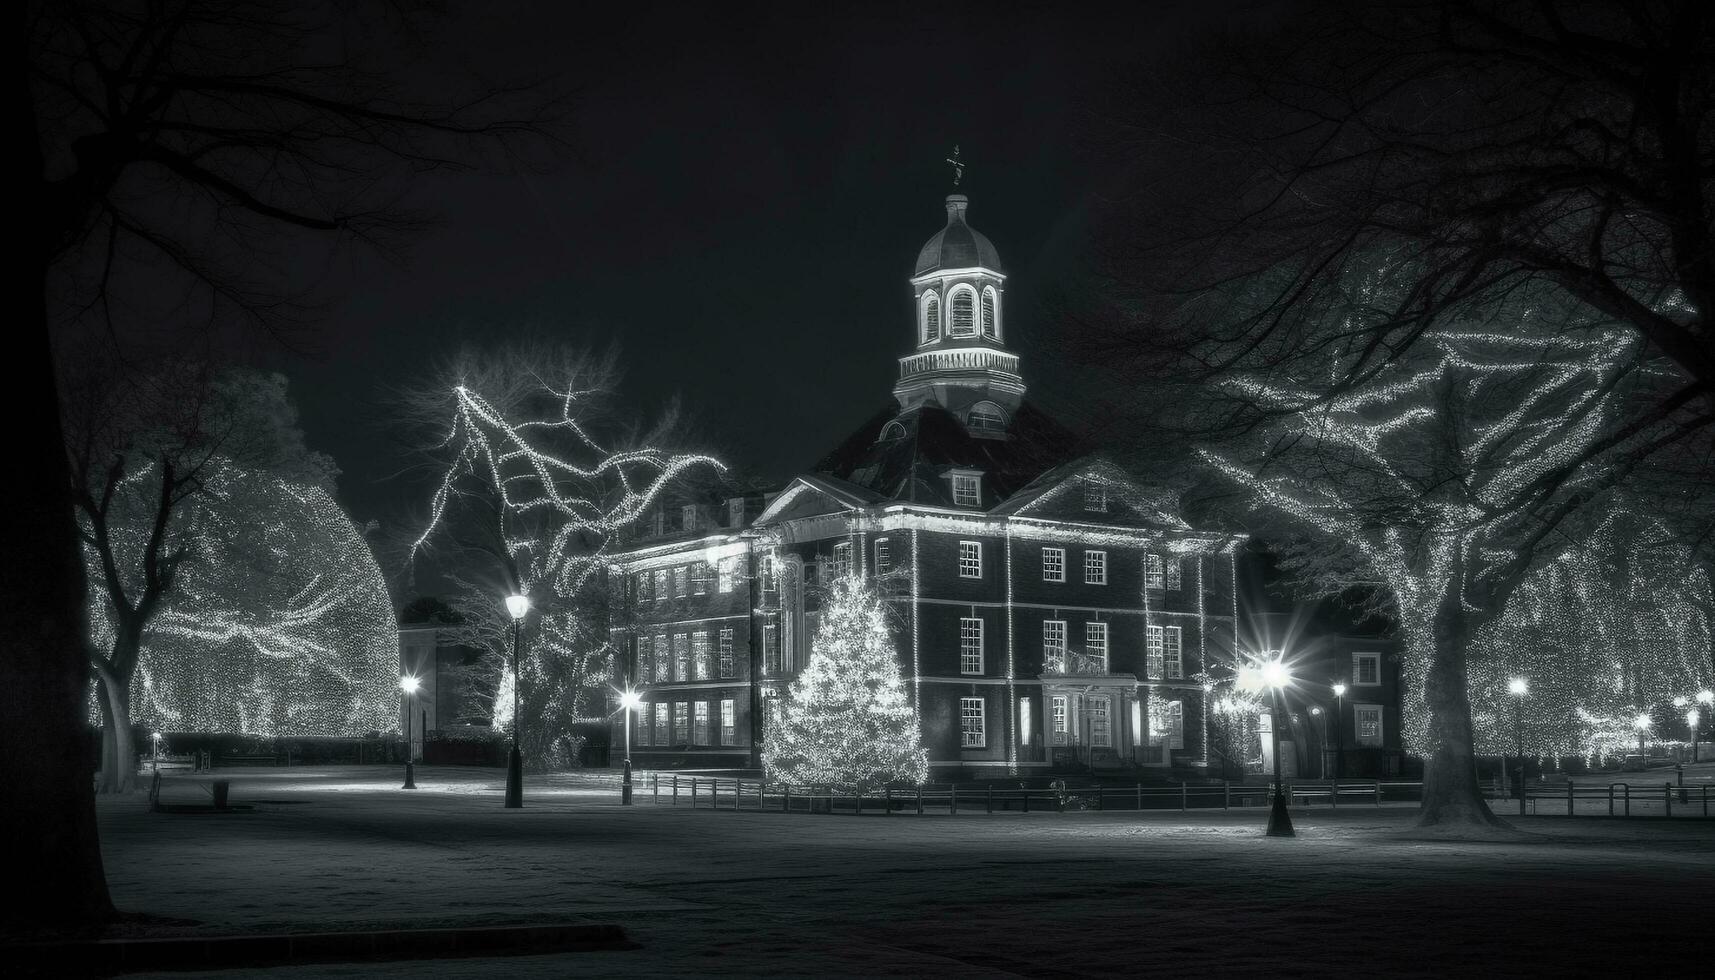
(912, 467)
(957, 246)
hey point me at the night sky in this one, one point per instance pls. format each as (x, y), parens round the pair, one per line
(747, 197)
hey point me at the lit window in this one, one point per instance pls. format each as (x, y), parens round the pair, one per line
(1367, 720)
(1053, 564)
(1095, 568)
(682, 656)
(967, 491)
(644, 592)
(681, 577)
(728, 667)
(1153, 657)
(962, 318)
(1175, 724)
(1096, 646)
(1095, 497)
(842, 559)
(661, 712)
(1153, 577)
(771, 649)
(729, 722)
(986, 417)
(661, 584)
(662, 664)
(931, 319)
(1367, 669)
(1024, 721)
(970, 559)
(1101, 727)
(1058, 722)
(700, 723)
(883, 556)
(700, 656)
(728, 567)
(990, 298)
(644, 713)
(700, 578)
(1174, 652)
(1175, 575)
(970, 645)
(681, 723)
(1054, 645)
(971, 723)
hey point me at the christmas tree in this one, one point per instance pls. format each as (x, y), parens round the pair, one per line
(846, 720)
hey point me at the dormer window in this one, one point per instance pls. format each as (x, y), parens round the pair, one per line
(967, 490)
(688, 514)
(963, 319)
(986, 418)
(892, 431)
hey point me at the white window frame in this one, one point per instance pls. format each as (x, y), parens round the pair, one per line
(681, 581)
(1175, 724)
(970, 559)
(967, 490)
(1058, 706)
(645, 587)
(1357, 669)
(1095, 568)
(1175, 574)
(643, 717)
(988, 318)
(970, 645)
(663, 585)
(1054, 644)
(663, 658)
(1096, 639)
(842, 560)
(1154, 655)
(1173, 651)
(1025, 722)
(699, 723)
(700, 578)
(1358, 712)
(1053, 564)
(976, 326)
(663, 723)
(929, 326)
(726, 571)
(1101, 710)
(883, 555)
(681, 723)
(973, 736)
(728, 666)
(1153, 576)
(700, 664)
(729, 722)
(681, 656)
(773, 658)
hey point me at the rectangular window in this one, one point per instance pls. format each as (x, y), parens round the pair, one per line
(1175, 574)
(970, 559)
(662, 664)
(661, 712)
(727, 569)
(1054, 646)
(681, 579)
(1095, 568)
(681, 656)
(728, 667)
(842, 564)
(883, 556)
(1175, 724)
(1096, 647)
(700, 656)
(660, 584)
(642, 671)
(1366, 669)
(970, 646)
(1057, 721)
(644, 592)
(700, 723)
(1154, 661)
(1095, 497)
(1053, 564)
(771, 650)
(1367, 720)
(1024, 721)
(967, 491)
(971, 723)
(729, 722)
(1101, 727)
(1153, 576)
(681, 723)
(688, 517)
(1174, 652)
(644, 714)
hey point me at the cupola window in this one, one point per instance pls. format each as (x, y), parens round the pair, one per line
(931, 319)
(986, 418)
(989, 298)
(964, 313)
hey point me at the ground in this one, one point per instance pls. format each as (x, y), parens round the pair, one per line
(707, 891)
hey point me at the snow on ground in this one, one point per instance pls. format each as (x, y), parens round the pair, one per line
(1042, 893)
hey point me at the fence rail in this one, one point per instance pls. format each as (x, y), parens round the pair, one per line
(736, 793)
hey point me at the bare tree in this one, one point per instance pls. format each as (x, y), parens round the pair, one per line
(187, 152)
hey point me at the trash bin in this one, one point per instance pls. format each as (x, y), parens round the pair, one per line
(220, 788)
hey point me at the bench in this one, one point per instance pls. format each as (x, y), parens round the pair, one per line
(246, 760)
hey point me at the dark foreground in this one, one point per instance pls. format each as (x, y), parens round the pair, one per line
(1030, 894)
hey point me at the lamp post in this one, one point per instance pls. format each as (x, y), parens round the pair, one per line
(1274, 675)
(1340, 732)
(1322, 741)
(1518, 687)
(408, 685)
(1706, 698)
(1641, 723)
(519, 607)
(629, 701)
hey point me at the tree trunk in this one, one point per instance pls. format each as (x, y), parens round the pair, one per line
(104, 772)
(1451, 796)
(118, 741)
(44, 672)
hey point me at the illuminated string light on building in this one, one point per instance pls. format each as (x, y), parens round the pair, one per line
(279, 623)
(846, 718)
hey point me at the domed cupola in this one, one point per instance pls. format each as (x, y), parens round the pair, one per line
(961, 362)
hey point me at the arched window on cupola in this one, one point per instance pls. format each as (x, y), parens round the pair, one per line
(962, 321)
(931, 318)
(991, 313)
(986, 418)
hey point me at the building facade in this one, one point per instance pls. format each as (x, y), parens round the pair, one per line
(1050, 612)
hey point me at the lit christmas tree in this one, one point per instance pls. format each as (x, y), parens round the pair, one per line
(846, 720)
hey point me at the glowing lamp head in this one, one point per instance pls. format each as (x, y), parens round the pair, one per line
(1519, 686)
(1248, 679)
(1692, 718)
(1706, 696)
(155, 735)
(1276, 674)
(1641, 722)
(518, 606)
(1316, 712)
(409, 684)
(1339, 690)
(1680, 701)
(629, 700)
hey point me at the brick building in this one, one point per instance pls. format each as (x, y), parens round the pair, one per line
(1051, 613)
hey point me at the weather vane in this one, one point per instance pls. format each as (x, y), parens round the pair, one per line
(958, 165)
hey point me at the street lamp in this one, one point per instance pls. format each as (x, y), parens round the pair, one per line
(1322, 742)
(519, 607)
(1518, 687)
(628, 700)
(1706, 698)
(408, 685)
(1691, 720)
(1274, 675)
(1340, 732)
(1641, 723)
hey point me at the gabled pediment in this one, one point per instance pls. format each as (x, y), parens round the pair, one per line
(815, 496)
(1061, 494)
